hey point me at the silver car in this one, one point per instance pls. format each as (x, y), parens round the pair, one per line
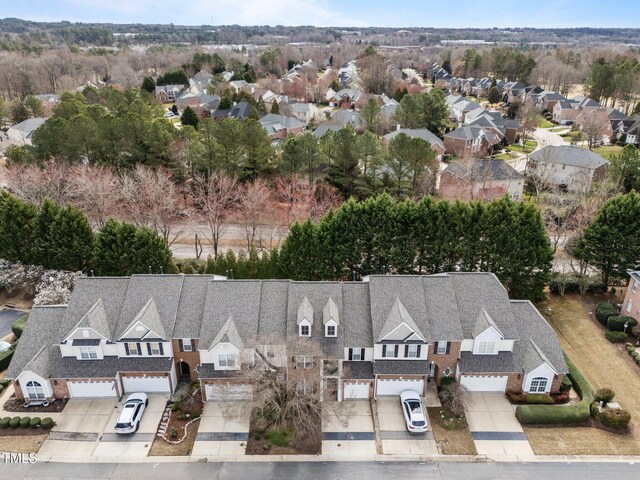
(413, 412)
(129, 419)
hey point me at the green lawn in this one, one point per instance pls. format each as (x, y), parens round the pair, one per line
(544, 123)
(529, 146)
(607, 151)
(504, 156)
(560, 129)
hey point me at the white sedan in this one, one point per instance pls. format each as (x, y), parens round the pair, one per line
(413, 411)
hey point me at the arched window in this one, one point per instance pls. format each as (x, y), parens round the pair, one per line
(538, 385)
(35, 390)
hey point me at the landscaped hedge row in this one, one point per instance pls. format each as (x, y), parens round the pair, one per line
(631, 350)
(24, 422)
(557, 415)
(572, 285)
(604, 311)
(5, 358)
(18, 326)
(616, 323)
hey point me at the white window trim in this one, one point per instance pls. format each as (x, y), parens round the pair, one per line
(229, 360)
(301, 330)
(483, 347)
(88, 352)
(35, 391)
(390, 352)
(353, 354)
(540, 385)
(442, 348)
(629, 305)
(186, 345)
(134, 352)
(412, 351)
(634, 286)
(304, 361)
(155, 348)
(326, 331)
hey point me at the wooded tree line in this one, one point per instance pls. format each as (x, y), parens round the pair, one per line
(380, 235)
(615, 80)
(61, 238)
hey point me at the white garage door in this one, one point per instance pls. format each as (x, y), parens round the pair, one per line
(91, 389)
(146, 384)
(356, 391)
(484, 384)
(395, 387)
(226, 393)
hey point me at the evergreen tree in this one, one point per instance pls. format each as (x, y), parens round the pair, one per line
(16, 224)
(149, 252)
(34, 105)
(344, 169)
(301, 154)
(624, 168)
(258, 150)
(148, 84)
(189, 117)
(494, 95)
(409, 114)
(434, 110)
(370, 115)
(275, 108)
(611, 243)
(210, 269)
(42, 252)
(299, 255)
(71, 240)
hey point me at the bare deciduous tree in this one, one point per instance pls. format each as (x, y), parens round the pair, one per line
(456, 397)
(256, 204)
(95, 191)
(34, 183)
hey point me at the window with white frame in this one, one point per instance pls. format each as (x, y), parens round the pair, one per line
(155, 348)
(634, 287)
(303, 361)
(442, 348)
(269, 351)
(133, 348)
(330, 331)
(629, 305)
(305, 330)
(538, 385)
(88, 353)
(35, 390)
(356, 354)
(226, 360)
(389, 351)
(486, 347)
(412, 351)
(186, 345)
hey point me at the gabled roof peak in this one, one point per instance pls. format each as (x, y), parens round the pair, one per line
(399, 315)
(483, 322)
(305, 311)
(228, 334)
(330, 312)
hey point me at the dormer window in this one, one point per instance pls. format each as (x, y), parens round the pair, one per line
(88, 353)
(305, 330)
(330, 331)
(486, 348)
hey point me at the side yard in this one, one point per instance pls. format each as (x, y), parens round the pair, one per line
(605, 365)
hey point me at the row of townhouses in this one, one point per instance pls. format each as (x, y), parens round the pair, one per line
(371, 338)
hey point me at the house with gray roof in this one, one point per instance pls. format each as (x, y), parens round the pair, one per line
(380, 336)
(436, 142)
(279, 126)
(470, 141)
(21, 133)
(480, 179)
(567, 167)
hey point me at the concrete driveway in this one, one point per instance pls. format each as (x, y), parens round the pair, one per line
(347, 429)
(494, 427)
(223, 430)
(86, 428)
(396, 440)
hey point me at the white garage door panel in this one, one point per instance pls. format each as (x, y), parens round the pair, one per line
(484, 384)
(395, 387)
(356, 391)
(226, 393)
(91, 389)
(146, 384)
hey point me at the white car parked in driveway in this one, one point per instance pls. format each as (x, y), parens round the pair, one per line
(129, 419)
(413, 411)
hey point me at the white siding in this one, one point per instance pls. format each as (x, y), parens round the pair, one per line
(543, 370)
(27, 376)
(211, 356)
(368, 353)
(166, 349)
(377, 352)
(505, 346)
(466, 345)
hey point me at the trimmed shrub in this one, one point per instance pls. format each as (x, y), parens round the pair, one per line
(594, 409)
(616, 323)
(35, 422)
(638, 359)
(604, 395)
(539, 399)
(444, 381)
(47, 423)
(5, 358)
(4, 382)
(18, 326)
(565, 386)
(1, 389)
(4, 423)
(629, 348)
(635, 354)
(615, 337)
(557, 415)
(14, 422)
(25, 421)
(617, 418)
(604, 311)
(572, 284)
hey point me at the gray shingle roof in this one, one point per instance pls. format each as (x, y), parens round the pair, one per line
(398, 315)
(483, 169)
(229, 334)
(422, 133)
(504, 362)
(70, 367)
(357, 370)
(568, 155)
(399, 367)
(191, 306)
(483, 322)
(322, 129)
(96, 319)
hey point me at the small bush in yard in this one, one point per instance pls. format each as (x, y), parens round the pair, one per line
(604, 395)
(280, 438)
(14, 422)
(173, 433)
(616, 323)
(25, 421)
(35, 422)
(47, 423)
(539, 399)
(4, 423)
(594, 409)
(565, 386)
(444, 381)
(604, 311)
(615, 337)
(617, 418)
(4, 382)
(1, 388)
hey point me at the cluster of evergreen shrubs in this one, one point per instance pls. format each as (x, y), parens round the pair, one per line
(608, 315)
(27, 422)
(615, 418)
(570, 283)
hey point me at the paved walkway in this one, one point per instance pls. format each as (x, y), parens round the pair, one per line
(494, 426)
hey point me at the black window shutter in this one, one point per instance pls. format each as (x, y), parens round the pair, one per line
(384, 350)
(406, 351)
(193, 344)
(395, 354)
(351, 354)
(362, 354)
(149, 348)
(419, 346)
(139, 349)
(448, 346)
(161, 348)
(126, 348)
(435, 348)
(181, 345)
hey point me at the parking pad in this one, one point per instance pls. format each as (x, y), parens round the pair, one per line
(397, 435)
(348, 436)
(136, 437)
(222, 436)
(73, 436)
(498, 436)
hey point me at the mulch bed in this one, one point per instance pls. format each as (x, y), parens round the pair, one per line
(160, 447)
(257, 444)
(15, 405)
(451, 441)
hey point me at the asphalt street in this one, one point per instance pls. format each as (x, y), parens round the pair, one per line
(7, 317)
(323, 471)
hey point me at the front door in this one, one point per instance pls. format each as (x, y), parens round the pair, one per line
(185, 371)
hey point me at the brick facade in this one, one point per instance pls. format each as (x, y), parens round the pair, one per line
(190, 358)
(446, 360)
(632, 310)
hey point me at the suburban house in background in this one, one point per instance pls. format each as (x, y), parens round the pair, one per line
(168, 93)
(437, 145)
(567, 167)
(631, 303)
(479, 179)
(279, 126)
(380, 336)
(20, 133)
(469, 141)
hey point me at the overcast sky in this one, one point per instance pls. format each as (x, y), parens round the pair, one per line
(395, 13)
